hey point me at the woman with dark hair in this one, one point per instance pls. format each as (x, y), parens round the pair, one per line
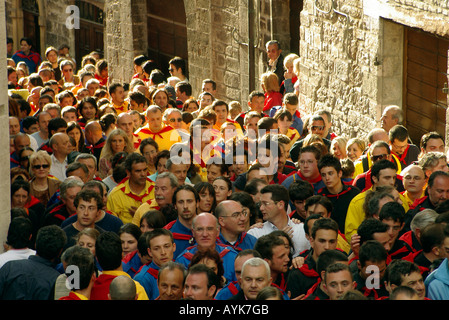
(129, 235)
(223, 188)
(248, 204)
(160, 98)
(87, 110)
(208, 203)
(211, 259)
(74, 130)
(108, 123)
(149, 149)
(24, 157)
(101, 72)
(151, 220)
(159, 163)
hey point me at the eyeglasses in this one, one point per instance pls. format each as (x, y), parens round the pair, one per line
(176, 120)
(39, 166)
(243, 213)
(379, 157)
(309, 162)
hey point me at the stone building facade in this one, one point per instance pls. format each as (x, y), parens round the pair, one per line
(358, 56)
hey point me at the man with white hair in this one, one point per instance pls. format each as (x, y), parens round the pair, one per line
(256, 275)
(173, 117)
(391, 116)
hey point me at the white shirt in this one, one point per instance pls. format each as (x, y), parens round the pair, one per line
(58, 168)
(15, 254)
(299, 239)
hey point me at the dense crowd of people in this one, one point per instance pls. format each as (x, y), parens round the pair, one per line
(154, 194)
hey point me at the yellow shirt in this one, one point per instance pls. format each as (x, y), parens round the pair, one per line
(165, 138)
(121, 199)
(142, 295)
(359, 165)
(293, 134)
(121, 108)
(144, 208)
(356, 214)
(410, 201)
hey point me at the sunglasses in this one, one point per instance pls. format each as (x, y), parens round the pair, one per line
(379, 157)
(39, 166)
(174, 120)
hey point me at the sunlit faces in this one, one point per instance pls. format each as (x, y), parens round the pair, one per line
(69, 116)
(192, 106)
(439, 192)
(180, 171)
(399, 147)
(213, 171)
(414, 180)
(434, 145)
(174, 119)
(331, 178)
(273, 51)
(222, 113)
(257, 103)
(161, 99)
(88, 111)
(387, 177)
(117, 143)
(150, 153)
(155, 120)
(318, 127)
(118, 96)
(354, 152)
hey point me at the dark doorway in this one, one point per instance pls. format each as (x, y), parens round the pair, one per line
(31, 23)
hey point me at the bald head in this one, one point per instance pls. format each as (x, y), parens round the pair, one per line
(21, 140)
(93, 132)
(126, 123)
(378, 134)
(122, 288)
(227, 207)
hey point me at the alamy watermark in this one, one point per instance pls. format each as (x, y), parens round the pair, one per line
(73, 20)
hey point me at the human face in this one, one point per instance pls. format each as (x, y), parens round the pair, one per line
(300, 207)
(221, 190)
(161, 165)
(21, 142)
(52, 56)
(155, 120)
(192, 107)
(161, 248)
(338, 283)
(75, 134)
(235, 219)
(240, 165)
(253, 280)
(251, 127)
(117, 143)
(354, 152)
(87, 212)
(317, 209)
(398, 147)
(186, 205)
(80, 174)
(205, 100)
(138, 174)
(439, 192)
(325, 239)
(175, 72)
(129, 243)
(222, 113)
(394, 227)
(331, 178)
(415, 280)
(414, 180)
(284, 124)
(381, 266)
(118, 95)
(379, 154)
(280, 259)
(14, 126)
(44, 119)
(205, 230)
(387, 121)
(384, 239)
(90, 163)
(206, 201)
(318, 127)
(70, 198)
(163, 191)
(92, 87)
(13, 77)
(88, 111)
(213, 172)
(208, 87)
(32, 129)
(63, 145)
(308, 165)
(338, 152)
(170, 284)
(175, 120)
(269, 208)
(67, 72)
(434, 145)
(160, 99)
(196, 287)
(25, 47)
(69, 116)
(180, 171)
(19, 198)
(126, 123)
(387, 177)
(257, 103)
(273, 52)
(40, 169)
(87, 242)
(135, 106)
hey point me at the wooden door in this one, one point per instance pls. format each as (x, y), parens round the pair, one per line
(31, 23)
(425, 77)
(89, 37)
(167, 32)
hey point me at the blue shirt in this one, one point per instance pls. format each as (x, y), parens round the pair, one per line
(244, 241)
(182, 236)
(147, 277)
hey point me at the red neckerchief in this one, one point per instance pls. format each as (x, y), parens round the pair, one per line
(154, 134)
(402, 157)
(313, 181)
(177, 235)
(136, 197)
(98, 145)
(283, 284)
(153, 272)
(313, 288)
(308, 272)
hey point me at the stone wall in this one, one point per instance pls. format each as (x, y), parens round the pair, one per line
(352, 56)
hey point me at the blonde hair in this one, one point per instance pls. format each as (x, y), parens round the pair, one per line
(107, 153)
(41, 156)
(341, 141)
(359, 142)
(270, 82)
(289, 59)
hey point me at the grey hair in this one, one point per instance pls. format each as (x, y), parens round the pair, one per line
(86, 156)
(175, 160)
(423, 219)
(173, 180)
(68, 184)
(256, 262)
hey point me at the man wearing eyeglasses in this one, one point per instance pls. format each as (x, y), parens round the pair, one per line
(233, 219)
(273, 206)
(379, 150)
(406, 152)
(205, 230)
(173, 117)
